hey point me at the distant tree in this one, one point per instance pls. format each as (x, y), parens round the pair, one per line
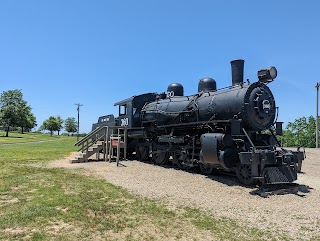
(31, 122)
(60, 123)
(14, 110)
(71, 125)
(52, 124)
(26, 119)
(287, 138)
(301, 132)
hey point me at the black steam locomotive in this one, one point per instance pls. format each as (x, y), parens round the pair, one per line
(232, 129)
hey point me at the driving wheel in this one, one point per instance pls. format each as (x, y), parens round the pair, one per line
(142, 153)
(161, 158)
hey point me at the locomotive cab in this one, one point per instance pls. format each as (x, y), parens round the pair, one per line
(129, 109)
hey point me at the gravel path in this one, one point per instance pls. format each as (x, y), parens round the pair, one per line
(293, 209)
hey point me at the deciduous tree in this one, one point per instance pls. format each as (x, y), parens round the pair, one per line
(26, 119)
(14, 111)
(51, 124)
(60, 123)
(301, 132)
(71, 125)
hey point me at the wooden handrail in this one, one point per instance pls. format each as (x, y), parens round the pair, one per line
(103, 134)
(93, 135)
(89, 135)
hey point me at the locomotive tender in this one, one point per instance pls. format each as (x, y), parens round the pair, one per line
(231, 129)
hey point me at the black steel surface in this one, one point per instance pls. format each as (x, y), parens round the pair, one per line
(229, 129)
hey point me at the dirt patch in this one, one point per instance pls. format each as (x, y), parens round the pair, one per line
(59, 227)
(16, 230)
(292, 209)
(4, 200)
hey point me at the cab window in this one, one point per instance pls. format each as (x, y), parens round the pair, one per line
(122, 109)
(134, 110)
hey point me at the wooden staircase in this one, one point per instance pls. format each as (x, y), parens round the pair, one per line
(85, 156)
(99, 143)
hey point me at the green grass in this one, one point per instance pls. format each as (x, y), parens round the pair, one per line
(41, 203)
(15, 137)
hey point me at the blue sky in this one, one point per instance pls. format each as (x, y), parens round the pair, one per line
(99, 52)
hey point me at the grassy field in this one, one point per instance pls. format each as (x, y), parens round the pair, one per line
(40, 203)
(15, 137)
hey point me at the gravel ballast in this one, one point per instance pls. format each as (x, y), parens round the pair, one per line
(292, 208)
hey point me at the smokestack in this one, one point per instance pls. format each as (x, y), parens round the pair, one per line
(237, 71)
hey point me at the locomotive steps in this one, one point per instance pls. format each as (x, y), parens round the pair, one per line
(84, 156)
(102, 140)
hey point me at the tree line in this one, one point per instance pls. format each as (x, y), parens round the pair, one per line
(16, 113)
(56, 124)
(301, 132)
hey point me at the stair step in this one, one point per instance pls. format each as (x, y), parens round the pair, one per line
(76, 160)
(94, 149)
(84, 156)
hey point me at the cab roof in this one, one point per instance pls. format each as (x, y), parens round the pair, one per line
(136, 98)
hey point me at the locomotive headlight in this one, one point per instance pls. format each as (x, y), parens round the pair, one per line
(267, 75)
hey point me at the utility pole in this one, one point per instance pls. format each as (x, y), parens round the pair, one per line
(78, 109)
(317, 124)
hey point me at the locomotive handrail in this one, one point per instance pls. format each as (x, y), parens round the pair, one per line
(192, 101)
(89, 135)
(92, 138)
(249, 139)
(94, 133)
(195, 123)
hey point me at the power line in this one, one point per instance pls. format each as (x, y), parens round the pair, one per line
(78, 109)
(317, 124)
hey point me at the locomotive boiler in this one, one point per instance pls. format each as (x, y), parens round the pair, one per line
(231, 129)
